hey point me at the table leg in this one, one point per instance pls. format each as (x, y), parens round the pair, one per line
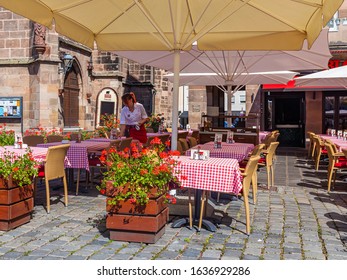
(207, 224)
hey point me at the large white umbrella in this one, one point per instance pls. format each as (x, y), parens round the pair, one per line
(243, 67)
(257, 78)
(335, 77)
(173, 25)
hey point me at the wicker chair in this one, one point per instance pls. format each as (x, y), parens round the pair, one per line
(247, 175)
(319, 151)
(336, 162)
(192, 141)
(95, 162)
(54, 168)
(268, 163)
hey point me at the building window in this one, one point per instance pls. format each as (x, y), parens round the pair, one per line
(334, 23)
(335, 111)
(242, 98)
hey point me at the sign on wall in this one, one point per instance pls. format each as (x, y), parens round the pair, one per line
(107, 104)
(11, 107)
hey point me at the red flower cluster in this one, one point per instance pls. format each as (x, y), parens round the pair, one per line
(141, 169)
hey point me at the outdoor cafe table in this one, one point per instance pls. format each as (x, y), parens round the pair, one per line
(108, 140)
(238, 151)
(214, 174)
(39, 154)
(77, 155)
(78, 152)
(340, 143)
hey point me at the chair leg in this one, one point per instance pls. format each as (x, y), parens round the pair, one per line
(218, 196)
(313, 151)
(272, 176)
(65, 191)
(203, 198)
(330, 174)
(317, 161)
(48, 197)
(255, 186)
(334, 179)
(268, 177)
(246, 204)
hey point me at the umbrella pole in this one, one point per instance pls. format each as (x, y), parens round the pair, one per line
(230, 96)
(175, 100)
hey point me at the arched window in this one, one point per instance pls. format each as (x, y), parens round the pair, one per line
(71, 99)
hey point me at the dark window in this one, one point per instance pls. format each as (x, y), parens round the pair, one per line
(335, 111)
(71, 100)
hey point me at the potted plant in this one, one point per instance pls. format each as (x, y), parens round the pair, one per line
(136, 183)
(41, 131)
(108, 122)
(6, 136)
(17, 175)
(155, 121)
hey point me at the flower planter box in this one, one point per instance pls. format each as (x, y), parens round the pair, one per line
(153, 207)
(137, 228)
(16, 205)
(129, 222)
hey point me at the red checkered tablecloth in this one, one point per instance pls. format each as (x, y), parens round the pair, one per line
(39, 154)
(78, 152)
(262, 135)
(340, 143)
(215, 174)
(238, 151)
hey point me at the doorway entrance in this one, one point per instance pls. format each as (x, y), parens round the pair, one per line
(285, 112)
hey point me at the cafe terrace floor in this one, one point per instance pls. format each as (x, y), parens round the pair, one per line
(296, 219)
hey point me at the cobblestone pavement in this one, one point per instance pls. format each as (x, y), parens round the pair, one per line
(296, 219)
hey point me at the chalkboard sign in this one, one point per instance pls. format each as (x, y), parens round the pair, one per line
(11, 107)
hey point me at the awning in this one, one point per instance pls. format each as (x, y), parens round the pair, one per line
(290, 86)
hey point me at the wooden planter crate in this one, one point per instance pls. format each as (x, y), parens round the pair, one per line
(16, 205)
(135, 223)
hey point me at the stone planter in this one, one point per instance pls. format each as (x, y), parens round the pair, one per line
(136, 223)
(16, 204)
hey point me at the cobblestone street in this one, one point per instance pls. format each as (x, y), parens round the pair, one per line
(297, 219)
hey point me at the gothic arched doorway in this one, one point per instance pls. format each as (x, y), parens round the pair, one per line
(70, 102)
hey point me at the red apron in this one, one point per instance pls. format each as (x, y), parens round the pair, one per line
(140, 135)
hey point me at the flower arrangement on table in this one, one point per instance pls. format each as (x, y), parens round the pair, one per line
(22, 169)
(134, 173)
(6, 136)
(108, 122)
(155, 121)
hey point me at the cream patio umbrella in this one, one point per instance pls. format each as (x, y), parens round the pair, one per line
(173, 25)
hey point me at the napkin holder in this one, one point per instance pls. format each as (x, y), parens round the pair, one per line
(198, 154)
(230, 137)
